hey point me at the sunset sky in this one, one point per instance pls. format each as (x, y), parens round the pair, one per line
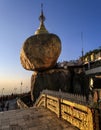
(66, 18)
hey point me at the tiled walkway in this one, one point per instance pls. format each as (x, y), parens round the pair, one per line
(32, 119)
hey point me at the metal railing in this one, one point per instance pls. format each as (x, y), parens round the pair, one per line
(77, 98)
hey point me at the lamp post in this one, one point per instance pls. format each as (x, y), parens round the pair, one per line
(2, 93)
(15, 90)
(26, 89)
(21, 88)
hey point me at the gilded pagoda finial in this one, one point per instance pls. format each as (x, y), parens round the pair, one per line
(41, 28)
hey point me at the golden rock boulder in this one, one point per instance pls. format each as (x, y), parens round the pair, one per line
(40, 52)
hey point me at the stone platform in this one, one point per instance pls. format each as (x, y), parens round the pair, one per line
(32, 119)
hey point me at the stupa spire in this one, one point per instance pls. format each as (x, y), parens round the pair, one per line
(42, 17)
(41, 29)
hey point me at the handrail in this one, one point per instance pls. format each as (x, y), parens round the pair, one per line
(21, 104)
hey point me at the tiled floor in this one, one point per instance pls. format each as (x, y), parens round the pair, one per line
(32, 119)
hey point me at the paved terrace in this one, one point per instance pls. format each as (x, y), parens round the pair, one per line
(32, 119)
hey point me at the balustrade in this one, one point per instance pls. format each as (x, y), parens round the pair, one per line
(72, 108)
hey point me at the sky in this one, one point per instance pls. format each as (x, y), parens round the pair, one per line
(65, 18)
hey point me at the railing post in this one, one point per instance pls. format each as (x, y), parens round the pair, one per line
(96, 120)
(45, 100)
(59, 107)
